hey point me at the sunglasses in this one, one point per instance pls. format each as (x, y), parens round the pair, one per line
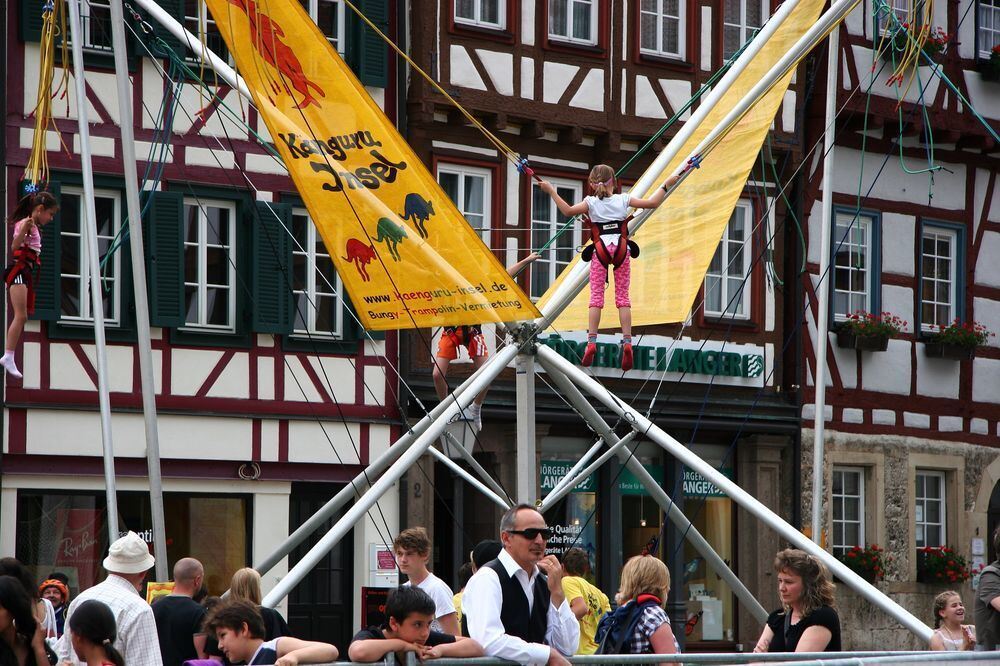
(532, 533)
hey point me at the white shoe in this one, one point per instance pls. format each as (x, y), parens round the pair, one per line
(10, 366)
(475, 414)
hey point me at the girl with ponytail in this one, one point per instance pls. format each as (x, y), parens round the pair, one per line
(94, 632)
(32, 212)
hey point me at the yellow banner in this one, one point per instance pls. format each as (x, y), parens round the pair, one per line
(681, 236)
(406, 255)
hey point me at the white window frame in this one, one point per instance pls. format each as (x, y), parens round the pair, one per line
(462, 171)
(741, 308)
(549, 263)
(661, 16)
(83, 289)
(920, 502)
(571, 24)
(864, 223)
(89, 44)
(840, 545)
(987, 36)
(313, 278)
(952, 279)
(900, 7)
(203, 22)
(201, 279)
(312, 7)
(477, 19)
(741, 23)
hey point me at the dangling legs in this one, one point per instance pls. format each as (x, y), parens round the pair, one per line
(598, 282)
(623, 279)
(19, 303)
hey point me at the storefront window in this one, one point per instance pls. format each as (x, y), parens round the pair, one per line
(67, 532)
(574, 518)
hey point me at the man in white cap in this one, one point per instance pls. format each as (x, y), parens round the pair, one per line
(127, 562)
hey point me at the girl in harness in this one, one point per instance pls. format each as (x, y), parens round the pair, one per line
(608, 215)
(33, 211)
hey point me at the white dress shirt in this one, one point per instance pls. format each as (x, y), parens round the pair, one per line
(482, 601)
(137, 638)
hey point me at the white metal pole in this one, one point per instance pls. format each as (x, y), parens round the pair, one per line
(574, 471)
(493, 367)
(526, 464)
(649, 429)
(575, 476)
(468, 478)
(139, 284)
(89, 213)
(577, 278)
(822, 321)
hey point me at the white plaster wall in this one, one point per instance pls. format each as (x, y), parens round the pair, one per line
(270, 521)
(330, 442)
(463, 72)
(678, 92)
(374, 388)
(847, 364)
(646, 103)
(985, 380)
(705, 59)
(556, 77)
(500, 67)
(190, 368)
(899, 301)
(888, 371)
(234, 380)
(988, 272)
(214, 158)
(898, 234)
(936, 377)
(894, 184)
(528, 22)
(988, 314)
(591, 92)
(527, 78)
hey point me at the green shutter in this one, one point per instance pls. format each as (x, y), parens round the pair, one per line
(163, 226)
(48, 278)
(272, 268)
(30, 25)
(176, 9)
(370, 52)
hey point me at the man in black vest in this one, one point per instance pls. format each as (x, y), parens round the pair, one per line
(515, 605)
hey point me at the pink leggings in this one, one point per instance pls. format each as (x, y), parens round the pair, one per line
(599, 277)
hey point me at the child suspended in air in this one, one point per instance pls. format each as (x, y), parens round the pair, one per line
(611, 248)
(32, 212)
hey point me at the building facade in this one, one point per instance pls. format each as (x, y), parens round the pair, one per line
(910, 440)
(270, 396)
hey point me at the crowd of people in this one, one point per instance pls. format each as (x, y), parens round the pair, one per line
(515, 602)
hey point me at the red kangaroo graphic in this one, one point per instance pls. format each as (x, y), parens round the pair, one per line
(266, 36)
(360, 255)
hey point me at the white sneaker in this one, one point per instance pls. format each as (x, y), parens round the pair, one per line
(10, 366)
(475, 414)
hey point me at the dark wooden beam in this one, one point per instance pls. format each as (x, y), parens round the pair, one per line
(573, 135)
(535, 129)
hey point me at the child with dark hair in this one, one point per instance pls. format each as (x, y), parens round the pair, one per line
(239, 628)
(93, 631)
(464, 574)
(413, 550)
(410, 611)
(33, 211)
(587, 602)
(21, 643)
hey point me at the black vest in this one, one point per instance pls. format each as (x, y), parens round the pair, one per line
(514, 611)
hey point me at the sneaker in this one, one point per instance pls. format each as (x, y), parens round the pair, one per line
(627, 356)
(10, 366)
(588, 354)
(474, 413)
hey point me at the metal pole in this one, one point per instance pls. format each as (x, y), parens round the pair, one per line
(574, 471)
(207, 56)
(822, 322)
(577, 278)
(471, 480)
(89, 214)
(669, 507)
(490, 482)
(573, 479)
(493, 367)
(552, 360)
(139, 284)
(346, 494)
(527, 467)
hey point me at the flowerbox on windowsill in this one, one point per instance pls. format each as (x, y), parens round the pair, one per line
(874, 343)
(948, 350)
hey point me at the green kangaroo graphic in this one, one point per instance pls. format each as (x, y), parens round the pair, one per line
(391, 234)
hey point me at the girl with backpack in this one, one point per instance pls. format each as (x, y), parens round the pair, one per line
(640, 625)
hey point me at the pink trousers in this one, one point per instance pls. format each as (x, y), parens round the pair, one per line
(599, 277)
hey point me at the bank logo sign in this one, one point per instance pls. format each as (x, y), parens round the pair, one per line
(657, 356)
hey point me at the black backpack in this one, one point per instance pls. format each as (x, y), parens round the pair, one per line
(616, 627)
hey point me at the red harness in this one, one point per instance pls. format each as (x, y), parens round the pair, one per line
(623, 248)
(25, 263)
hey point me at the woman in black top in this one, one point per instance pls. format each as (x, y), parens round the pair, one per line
(807, 620)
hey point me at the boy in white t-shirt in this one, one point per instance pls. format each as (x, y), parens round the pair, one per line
(413, 549)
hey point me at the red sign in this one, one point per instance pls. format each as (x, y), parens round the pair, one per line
(373, 601)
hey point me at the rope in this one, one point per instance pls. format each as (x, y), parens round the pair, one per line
(36, 173)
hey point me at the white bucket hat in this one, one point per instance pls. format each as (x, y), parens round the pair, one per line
(129, 555)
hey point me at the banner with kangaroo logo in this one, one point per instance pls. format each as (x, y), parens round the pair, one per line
(406, 255)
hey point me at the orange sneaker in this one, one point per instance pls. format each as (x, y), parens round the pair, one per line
(588, 354)
(627, 356)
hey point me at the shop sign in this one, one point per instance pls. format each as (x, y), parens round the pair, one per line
(628, 484)
(553, 471)
(658, 357)
(695, 485)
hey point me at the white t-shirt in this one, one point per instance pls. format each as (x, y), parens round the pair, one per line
(442, 595)
(613, 208)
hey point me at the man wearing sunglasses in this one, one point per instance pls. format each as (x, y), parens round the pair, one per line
(515, 604)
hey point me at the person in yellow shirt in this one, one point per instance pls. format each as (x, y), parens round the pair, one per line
(587, 602)
(464, 574)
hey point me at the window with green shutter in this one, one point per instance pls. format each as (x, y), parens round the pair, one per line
(272, 267)
(47, 292)
(95, 16)
(367, 53)
(163, 235)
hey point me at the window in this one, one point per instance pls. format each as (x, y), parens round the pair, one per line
(546, 221)
(929, 508)
(661, 27)
(852, 270)
(901, 8)
(848, 509)
(469, 188)
(75, 263)
(199, 23)
(316, 286)
(573, 20)
(740, 19)
(96, 18)
(329, 16)
(481, 13)
(209, 264)
(938, 277)
(988, 30)
(726, 279)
